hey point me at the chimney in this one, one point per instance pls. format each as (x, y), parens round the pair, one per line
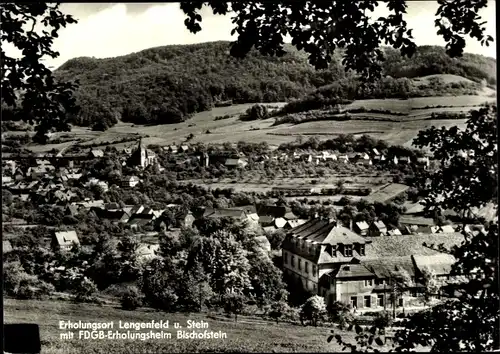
(350, 224)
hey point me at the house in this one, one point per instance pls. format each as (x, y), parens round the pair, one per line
(173, 149)
(394, 232)
(71, 210)
(64, 240)
(315, 248)
(361, 228)
(446, 229)
(147, 251)
(184, 148)
(379, 159)
(290, 224)
(7, 181)
(142, 157)
(377, 228)
(236, 162)
(95, 153)
(375, 152)
(423, 162)
(6, 246)
(114, 216)
(129, 182)
(343, 158)
(416, 224)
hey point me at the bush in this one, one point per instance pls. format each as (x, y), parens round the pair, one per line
(233, 304)
(383, 319)
(85, 290)
(131, 299)
(313, 310)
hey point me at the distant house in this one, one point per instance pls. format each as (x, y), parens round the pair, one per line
(361, 228)
(6, 246)
(112, 206)
(445, 229)
(137, 209)
(343, 158)
(71, 210)
(394, 232)
(404, 160)
(423, 162)
(114, 216)
(129, 182)
(64, 240)
(416, 224)
(290, 224)
(377, 228)
(173, 149)
(184, 148)
(236, 162)
(439, 264)
(147, 251)
(140, 220)
(375, 152)
(378, 159)
(96, 153)
(7, 180)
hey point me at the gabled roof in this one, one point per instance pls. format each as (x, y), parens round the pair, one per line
(440, 264)
(385, 267)
(97, 153)
(296, 222)
(271, 210)
(379, 225)
(223, 213)
(394, 232)
(415, 220)
(140, 219)
(353, 271)
(66, 238)
(6, 246)
(362, 225)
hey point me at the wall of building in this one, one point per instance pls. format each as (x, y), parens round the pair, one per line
(309, 278)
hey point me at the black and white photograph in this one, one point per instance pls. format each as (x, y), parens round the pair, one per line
(249, 177)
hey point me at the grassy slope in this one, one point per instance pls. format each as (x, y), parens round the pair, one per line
(234, 130)
(243, 336)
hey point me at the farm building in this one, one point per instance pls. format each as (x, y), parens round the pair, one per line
(96, 153)
(129, 182)
(64, 240)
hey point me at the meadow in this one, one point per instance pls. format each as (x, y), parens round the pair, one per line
(206, 128)
(246, 335)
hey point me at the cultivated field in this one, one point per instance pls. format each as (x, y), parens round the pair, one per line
(246, 335)
(206, 129)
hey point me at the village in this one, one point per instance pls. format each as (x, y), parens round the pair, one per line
(349, 260)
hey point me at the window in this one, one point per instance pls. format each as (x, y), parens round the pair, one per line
(314, 270)
(368, 282)
(334, 251)
(400, 302)
(354, 302)
(380, 299)
(361, 250)
(285, 257)
(293, 261)
(300, 264)
(348, 250)
(367, 301)
(307, 267)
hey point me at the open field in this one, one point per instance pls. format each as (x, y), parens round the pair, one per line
(387, 192)
(246, 335)
(206, 129)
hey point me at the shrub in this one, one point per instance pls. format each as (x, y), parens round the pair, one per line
(383, 319)
(313, 310)
(131, 299)
(233, 304)
(85, 290)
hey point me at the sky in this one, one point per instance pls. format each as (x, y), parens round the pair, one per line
(113, 29)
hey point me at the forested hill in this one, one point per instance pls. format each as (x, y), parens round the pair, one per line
(167, 84)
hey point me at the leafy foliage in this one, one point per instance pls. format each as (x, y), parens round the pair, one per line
(320, 28)
(28, 85)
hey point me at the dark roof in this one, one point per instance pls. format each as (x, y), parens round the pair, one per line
(385, 267)
(223, 213)
(272, 210)
(140, 219)
(325, 232)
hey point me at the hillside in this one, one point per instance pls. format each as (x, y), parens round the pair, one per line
(168, 84)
